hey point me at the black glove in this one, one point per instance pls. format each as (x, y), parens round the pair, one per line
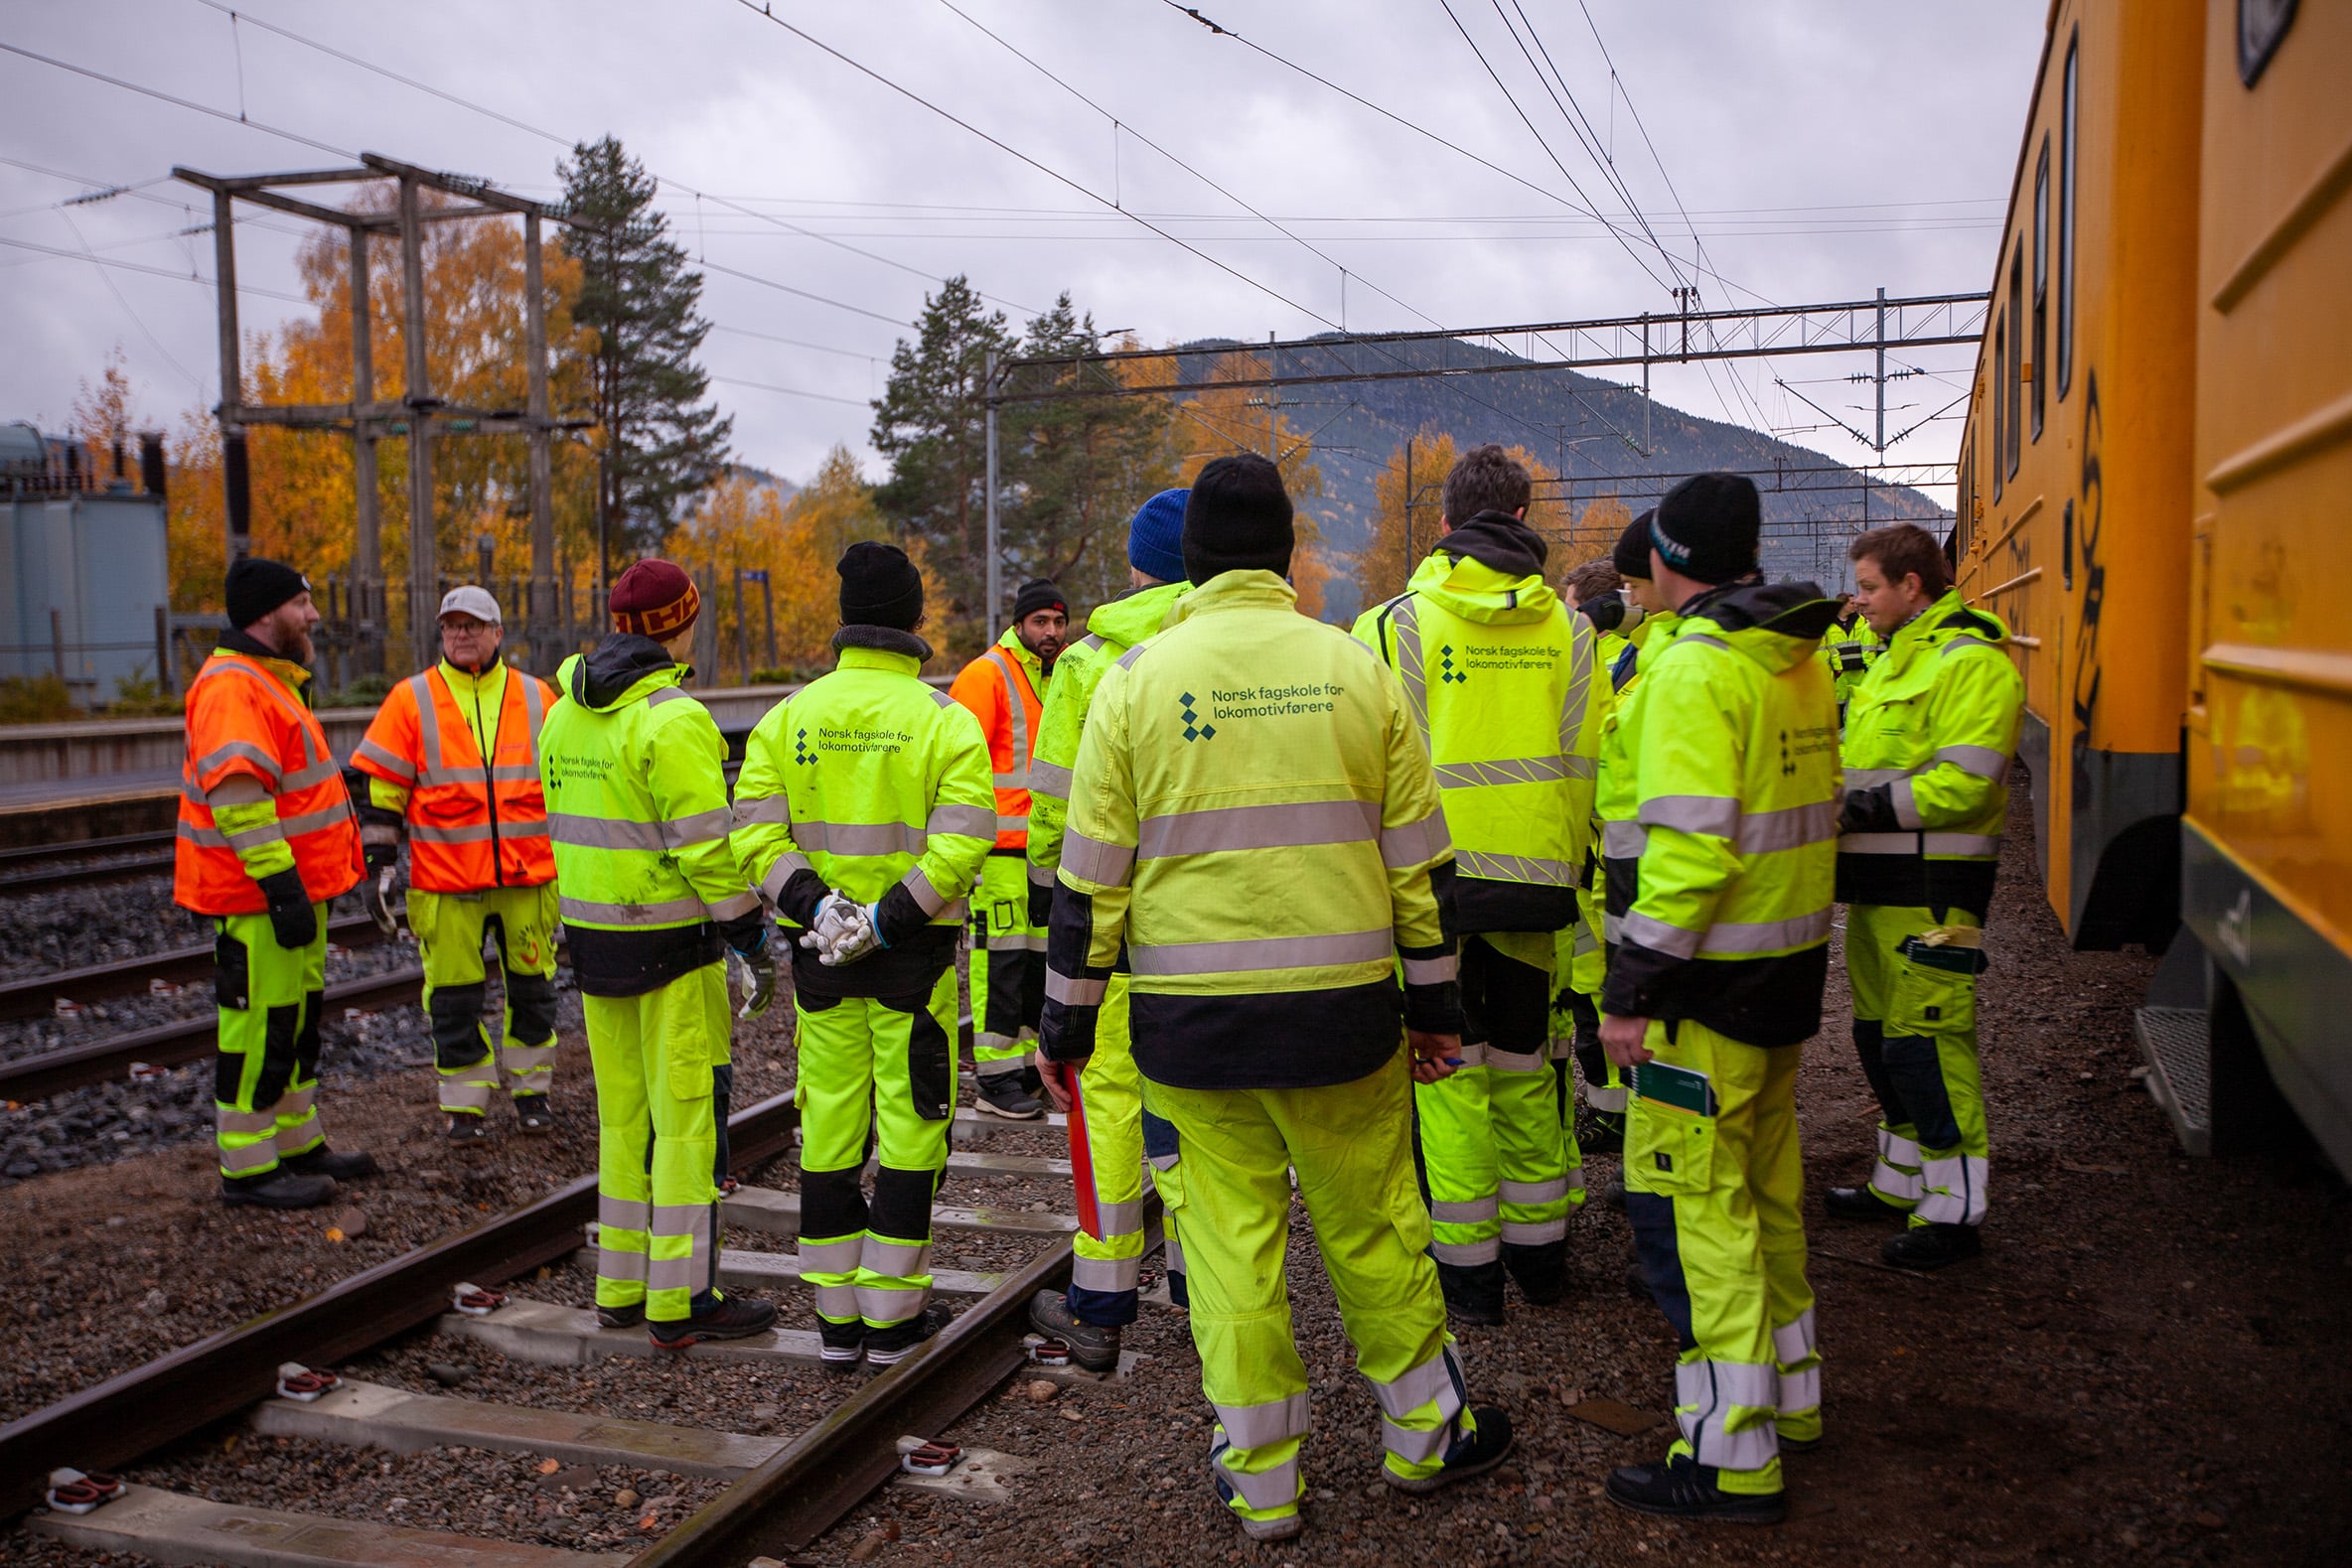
(292, 919)
(1041, 903)
(1871, 811)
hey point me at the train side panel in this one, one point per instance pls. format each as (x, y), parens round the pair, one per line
(2266, 843)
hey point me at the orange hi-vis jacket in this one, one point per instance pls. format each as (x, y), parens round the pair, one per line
(473, 823)
(1000, 692)
(246, 716)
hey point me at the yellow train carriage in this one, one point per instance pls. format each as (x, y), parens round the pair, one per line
(2266, 841)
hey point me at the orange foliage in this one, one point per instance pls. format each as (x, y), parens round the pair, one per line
(1226, 420)
(1387, 561)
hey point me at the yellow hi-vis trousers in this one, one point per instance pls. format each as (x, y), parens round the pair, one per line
(265, 1081)
(1713, 1187)
(1113, 1131)
(1007, 967)
(1579, 964)
(1351, 1146)
(656, 1204)
(450, 928)
(1915, 1030)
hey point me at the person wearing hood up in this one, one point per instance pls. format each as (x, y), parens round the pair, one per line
(1714, 986)
(1508, 695)
(652, 901)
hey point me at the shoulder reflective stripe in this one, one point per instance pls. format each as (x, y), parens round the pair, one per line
(1074, 993)
(860, 838)
(1791, 828)
(1431, 971)
(1263, 952)
(1019, 714)
(1702, 636)
(309, 777)
(735, 906)
(1658, 936)
(1514, 769)
(399, 767)
(245, 749)
(1515, 868)
(1127, 659)
(1800, 930)
(660, 694)
(1256, 827)
(428, 723)
(790, 861)
(684, 832)
(1623, 840)
(1407, 620)
(1717, 814)
(535, 707)
(927, 898)
(1090, 643)
(775, 808)
(426, 833)
(1092, 860)
(1982, 761)
(1049, 778)
(1417, 843)
(1966, 641)
(670, 912)
(972, 821)
(604, 832)
(1872, 778)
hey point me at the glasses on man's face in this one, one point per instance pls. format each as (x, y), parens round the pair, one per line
(478, 629)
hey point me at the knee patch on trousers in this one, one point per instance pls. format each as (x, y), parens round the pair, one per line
(931, 1058)
(1917, 1078)
(456, 1016)
(901, 1208)
(832, 1204)
(531, 1007)
(231, 973)
(1660, 1255)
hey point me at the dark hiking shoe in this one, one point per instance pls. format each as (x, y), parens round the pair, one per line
(1602, 1133)
(1473, 1291)
(279, 1189)
(466, 1127)
(731, 1319)
(1474, 1454)
(1091, 1346)
(1933, 1246)
(1002, 1096)
(1680, 1490)
(322, 1161)
(628, 1316)
(1859, 1203)
(530, 1110)
(890, 1345)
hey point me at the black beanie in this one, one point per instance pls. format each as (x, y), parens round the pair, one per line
(1237, 520)
(1631, 557)
(257, 586)
(1035, 595)
(1707, 526)
(879, 587)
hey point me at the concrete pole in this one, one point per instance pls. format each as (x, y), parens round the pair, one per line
(424, 563)
(235, 480)
(541, 609)
(366, 609)
(995, 570)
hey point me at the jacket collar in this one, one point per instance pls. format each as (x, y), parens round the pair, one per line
(491, 682)
(1254, 589)
(880, 647)
(1136, 614)
(1031, 664)
(294, 676)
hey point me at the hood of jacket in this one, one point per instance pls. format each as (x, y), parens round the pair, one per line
(1951, 615)
(619, 670)
(1490, 569)
(1778, 625)
(1135, 614)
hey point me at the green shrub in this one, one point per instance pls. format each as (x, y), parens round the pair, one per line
(138, 697)
(369, 691)
(35, 699)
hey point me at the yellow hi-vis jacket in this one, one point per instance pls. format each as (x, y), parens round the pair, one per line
(1254, 819)
(869, 784)
(1616, 799)
(1506, 690)
(1734, 747)
(1930, 731)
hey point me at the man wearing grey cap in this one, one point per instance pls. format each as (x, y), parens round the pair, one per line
(451, 763)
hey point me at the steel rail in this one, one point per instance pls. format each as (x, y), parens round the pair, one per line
(135, 1412)
(121, 843)
(37, 995)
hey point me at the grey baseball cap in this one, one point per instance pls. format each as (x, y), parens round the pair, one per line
(472, 600)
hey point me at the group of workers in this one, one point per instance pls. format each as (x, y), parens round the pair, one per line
(1269, 909)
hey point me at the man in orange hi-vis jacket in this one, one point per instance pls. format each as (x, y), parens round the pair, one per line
(265, 840)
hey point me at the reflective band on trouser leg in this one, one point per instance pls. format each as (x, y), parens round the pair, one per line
(913, 1062)
(264, 1086)
(830, 1269)
(526, 949)
(1255, 1451)
(836, 1091)
(623, 1137)
(531, 1070)
(1004, 947)
(1423, 1411)
(653, 1055)
(623, 1237)
(300, 1128)
(1895, 1176)
(449, 942)
(1106, 1164)
(681, 1260)
(1725, 1412)
(1796, 1353)
(1455, 1121)
(1928, 1057)
(1540, 1174)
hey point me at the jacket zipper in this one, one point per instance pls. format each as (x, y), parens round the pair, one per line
(498, 869)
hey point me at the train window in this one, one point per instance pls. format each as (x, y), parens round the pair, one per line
(2066, 185)
(2036, 363)
(2000, 369)
(2012, 447)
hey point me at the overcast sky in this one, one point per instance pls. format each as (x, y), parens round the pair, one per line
(1820, 149)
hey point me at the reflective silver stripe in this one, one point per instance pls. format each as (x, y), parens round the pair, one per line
(1467, 1254)
(1012, 824)
(1018, 777)
(1515, 868)
(1256, 827)
(1659, 937)
(837, 1257)
(1049, 778)
(790, 861)
(1040, 876)
(1431, 971)
(251, 1157)
(309, 777)
(660, 694)
(534, 703)
(525, 1060)
(1472, 1053)
(1897, 1148)
(208, 838)
(1478, 1211)
(512, 831)
(1266, 1489)
(1624, 840)
(942, 698)
(1766, 936)
(861, 838)
(427, 833)
(1074, 993)
(1959, 642)
(1795, 1342)
(1717, 814)
(617, 1263)
(1583, 643)
(1904, 1187)
(886, 1303)
(1092, 860)
(1535, 1232)
(930, 900)
(1107, 1274)
(1408, 621)
(1974, 846)
(1416, 843)
(1120, 1220)
(1872, 778)
(1612, 930)
(605, 832)
(768, 809)
(384, 759)
(1127, 659)
(1982, 761)
(1261, 954)
(1431, 1382)
(1705, 1394)
(429, 725)
(1016, 941)
(1604, 1097)
(515, 772)
(1799, 1392)
(684, 832)
(257, 835)
(1790, 827)
(969, 821)
(1952, 1189)
(311, 821)
(1906, 808)
(245, 749)
(895, 1259)
(1514, 770)
(670, 912)
(677, 1273)
(733, 906)
(249, 1123)
(1513, 1061)
(1274, 1421)
(460, 1095)
(1551, 1192)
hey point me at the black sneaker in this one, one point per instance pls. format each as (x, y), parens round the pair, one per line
(1473, 1291)
(732, 1319)
(1542, 1271)
(1796, 1445)
(1002, 1096)
(1091, 1346)
(530, 1110)
(466, 1127)
(322, 1161)
(1859, 1203)
(1681, 1489)
(279, 1189)
(1474, 1454)
(1933, 1246)
(1602, 1133)
(1614, 1196)
(628, 1316)
(890, 1345)
(842, 1345)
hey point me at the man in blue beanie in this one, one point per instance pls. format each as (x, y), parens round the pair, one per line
(1110, 1131)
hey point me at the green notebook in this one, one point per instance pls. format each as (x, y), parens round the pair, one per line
(1681, 1087)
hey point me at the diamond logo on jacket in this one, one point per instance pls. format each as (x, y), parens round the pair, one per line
(1194, 729)
(800, 751)
(1445, 666)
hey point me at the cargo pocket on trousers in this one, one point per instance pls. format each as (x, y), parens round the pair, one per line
(1669, 1152)
(231, 973)
(690, 1068)
(1935, 990)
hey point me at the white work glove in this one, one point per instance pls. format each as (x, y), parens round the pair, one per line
(837, 926)
(862, 936)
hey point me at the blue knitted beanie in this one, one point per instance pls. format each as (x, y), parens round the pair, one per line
(1156, 539)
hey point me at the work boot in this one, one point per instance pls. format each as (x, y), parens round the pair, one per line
(532, 1112)
(322, 1161)
(1859, 1203)
(729, 1318)
(1465, 1457)
(1681, 1489)
(278, 1189)
(1931, 1246)
(628, 1316)
(1001, 1094)
(1473, 1291)
(1613, 1194)
(1603, 1132)
(1542, 1271)
(887, 1347)
(842, 1345)
(1091, 1346)
(466, 1127)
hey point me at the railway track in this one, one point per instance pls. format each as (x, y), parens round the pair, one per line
(46, 868)
(784, 1491)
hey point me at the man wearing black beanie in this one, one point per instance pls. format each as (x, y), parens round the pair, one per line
(862, 815)
(1720, 880)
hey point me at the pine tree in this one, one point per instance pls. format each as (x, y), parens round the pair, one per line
(663, 446)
